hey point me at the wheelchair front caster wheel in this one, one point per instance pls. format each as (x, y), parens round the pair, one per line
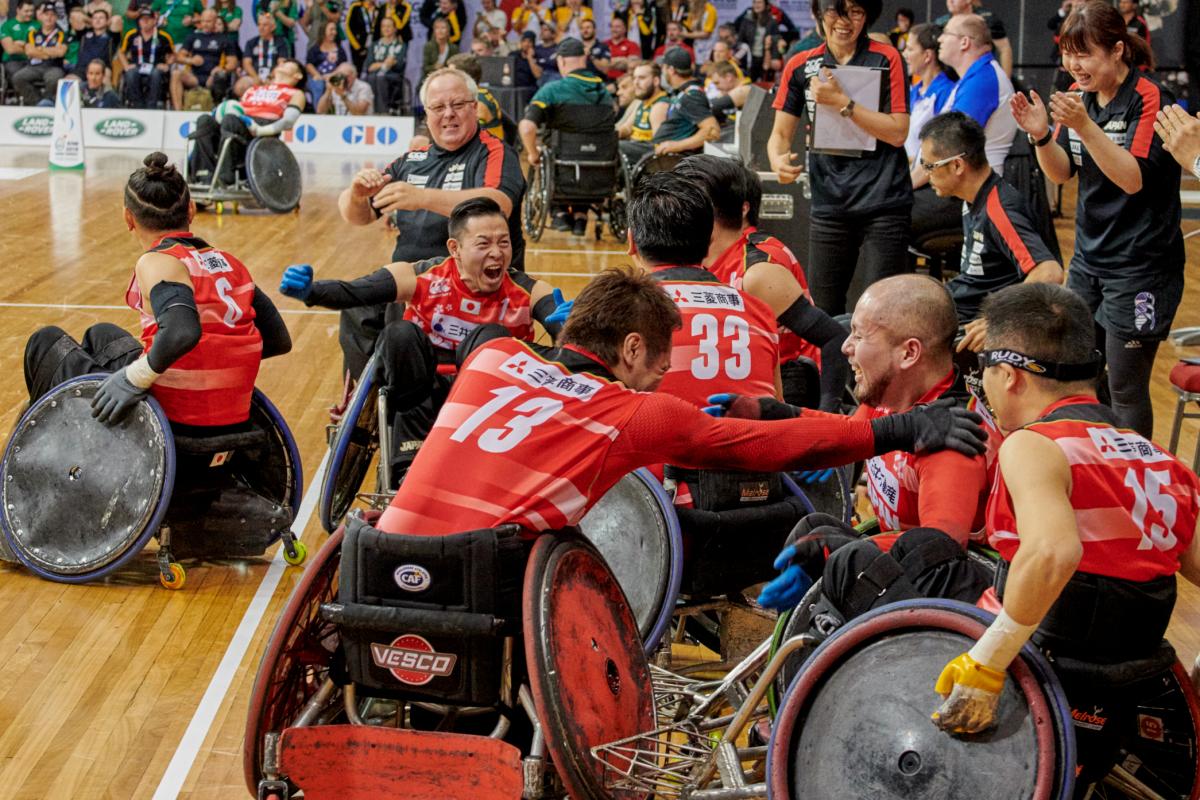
(173, 577)
(219, 208)
(294, 552)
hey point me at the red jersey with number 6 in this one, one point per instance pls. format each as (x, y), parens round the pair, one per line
(761, 248)
(728, 342)
(446, 309)
(1135, 504)
(213, 383)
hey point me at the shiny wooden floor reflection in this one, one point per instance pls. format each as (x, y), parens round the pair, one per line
(99, 683)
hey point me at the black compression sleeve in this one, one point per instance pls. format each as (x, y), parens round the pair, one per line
(814, 325)
(275, 337)
(174, 306)
(369, 290)
(544, 308)
(477, 338)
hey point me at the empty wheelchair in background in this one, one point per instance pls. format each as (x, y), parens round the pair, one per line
(483, 664)
(82, 499)
(269, 178)
(576, 169)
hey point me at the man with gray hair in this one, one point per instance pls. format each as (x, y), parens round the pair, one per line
(347, 95)
(420, 188)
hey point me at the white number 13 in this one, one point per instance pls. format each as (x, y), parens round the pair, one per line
(513, 432)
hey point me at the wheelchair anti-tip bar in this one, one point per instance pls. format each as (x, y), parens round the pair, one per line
(357, 616)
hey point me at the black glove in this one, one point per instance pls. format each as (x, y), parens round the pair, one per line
(115, 397)
(942, 425)
(743, 407)
(811, 537)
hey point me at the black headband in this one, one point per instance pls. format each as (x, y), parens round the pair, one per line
(1046, 369)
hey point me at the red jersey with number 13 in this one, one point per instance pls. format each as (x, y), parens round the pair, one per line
(728, 342)
(446, 309)
(213, 383)
(1135, 504)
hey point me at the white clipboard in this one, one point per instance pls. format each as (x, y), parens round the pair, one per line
(834, 133)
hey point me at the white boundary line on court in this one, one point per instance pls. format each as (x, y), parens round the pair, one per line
(197, 730)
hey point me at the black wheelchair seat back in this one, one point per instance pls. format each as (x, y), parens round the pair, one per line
(737, 525)
(586, 165)
(425, 617)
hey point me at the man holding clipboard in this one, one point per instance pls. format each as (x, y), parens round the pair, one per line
(856, 91)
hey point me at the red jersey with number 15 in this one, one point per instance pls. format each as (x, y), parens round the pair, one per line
(446, 309)
(761, 248)
(212, 384)
(728, 342)
(1135, 504)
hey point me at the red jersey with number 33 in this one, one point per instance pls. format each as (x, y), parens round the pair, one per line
(1135, 504)
(728, 342)
(760, 248)
(446, 309)
(212, 384)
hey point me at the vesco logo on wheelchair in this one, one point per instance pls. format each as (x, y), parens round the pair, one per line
(412, 659)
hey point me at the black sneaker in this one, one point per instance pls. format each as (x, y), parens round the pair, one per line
(560, 222)
(580, 227)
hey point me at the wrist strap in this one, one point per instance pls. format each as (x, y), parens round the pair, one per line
(140, 375)
(1045, 140)
(1001, 642)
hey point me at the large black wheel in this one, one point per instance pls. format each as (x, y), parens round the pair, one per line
(273, 174)
(537, 199)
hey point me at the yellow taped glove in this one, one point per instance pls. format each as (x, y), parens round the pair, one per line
(972, 695)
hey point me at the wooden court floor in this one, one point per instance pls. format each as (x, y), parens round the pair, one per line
(124, 689)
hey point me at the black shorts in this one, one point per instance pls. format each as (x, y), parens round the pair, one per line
(1136, 307)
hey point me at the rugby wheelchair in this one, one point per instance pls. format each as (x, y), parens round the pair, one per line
(576, 169)
(81, 499)
(485, 664)
(268, 179)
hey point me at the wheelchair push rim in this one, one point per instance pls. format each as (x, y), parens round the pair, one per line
(33, 465)
(293, 488)
(346, 470)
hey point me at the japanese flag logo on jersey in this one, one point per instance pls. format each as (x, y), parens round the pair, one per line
(469, 306)
(412, 659)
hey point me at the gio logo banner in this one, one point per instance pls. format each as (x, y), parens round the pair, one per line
(369, 134)
(301, 133)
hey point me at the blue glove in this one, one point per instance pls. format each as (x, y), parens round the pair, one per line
(812, 476)
(721, 403)
(562, 309)
(115, 397)
(249, 121)
(788, 589)
(297, 281)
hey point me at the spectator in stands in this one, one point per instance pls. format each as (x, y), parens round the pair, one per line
(727, 90)
(624, 52)
(491, 118)
(231, 14)
(739, 50)
(455, 16)
(346, 94)
(526, 69)
(285, 14)
(400, 12)
(480, 48)
(498, 40)
(325, 56)
(700, 21)
(385, 69)
(98, 43)
(527, 18)
(489, 18)
(77, 26)
(265, 51)
(999, 36)
(177, 18)
(1062, 79)
(931, 85)
(146, 55)
(45, 49)
(94, 91)
(899, 34)
(1135, 23)
(545, 53)
(316, 15)
(360, 22)
(644, 116)
(1002, 244)
(568, 17)
(721, 54)
(438, 49)
(690, 121)
(625, 93)
(114, 20)
(131, 13)
(642, 21)
(861, 205)
(674, 39)
(13, 34)
(198, 62)
(598, 57)
(758, 31)
(983, 90)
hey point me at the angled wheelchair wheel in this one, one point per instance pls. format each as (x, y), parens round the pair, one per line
(589, 678)
(273, 174)
(635, 528)
(536, 206)
(796, 622)
(831, 496)
(296, 663)
(279, 474)
(855, 721)
(355, 442)
(80, 498)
